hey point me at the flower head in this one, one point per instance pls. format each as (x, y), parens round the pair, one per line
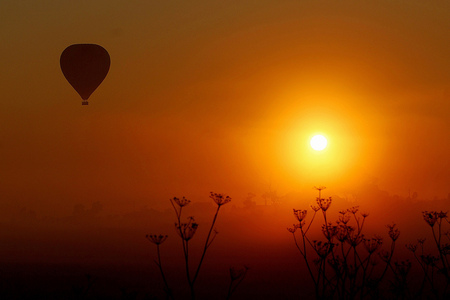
(324, 204)
(300, 214)
(442, 215)
(411, 247)
(187, 230)
(430, 217)
(394, 233)
(353, 209)
(156, 239)
(295, 227)
(373, 244)
(181, 202)
(402, 268)
(329, 231)
(342, 232)
(220, 199)
(315, 208)
(384, 255)
(429, 259)
(323, 248)
(336, 263)
(344, 217)
(237, 273)
(292, 230)
(354, 239)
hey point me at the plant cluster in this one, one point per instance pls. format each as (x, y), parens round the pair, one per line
(186, 231)
(346, 264)
(436, 268)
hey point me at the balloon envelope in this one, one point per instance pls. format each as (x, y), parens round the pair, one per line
(85, 66)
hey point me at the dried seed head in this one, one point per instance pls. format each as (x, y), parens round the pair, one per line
(324, 204)
(394, 233)
(430, 217)
(300, 214)
(220, 199)
(373, 244)
(353, 210)
(181, 202)
(156, 239)
(187, 230)
(411, 247)
(315, 208)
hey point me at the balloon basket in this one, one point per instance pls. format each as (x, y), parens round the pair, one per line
(84, 102)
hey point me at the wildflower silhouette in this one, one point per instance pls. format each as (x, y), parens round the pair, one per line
(220, 199)
(338, 265)
(181, 202)
(436, 268)
(158, 240)
(186, 231)
(237, 275)
(393, 232)
(300, 214)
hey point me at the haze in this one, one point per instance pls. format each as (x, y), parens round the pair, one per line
(222, 96)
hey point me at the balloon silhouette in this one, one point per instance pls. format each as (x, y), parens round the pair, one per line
(85, 66)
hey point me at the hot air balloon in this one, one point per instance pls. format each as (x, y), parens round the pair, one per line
(85, 66)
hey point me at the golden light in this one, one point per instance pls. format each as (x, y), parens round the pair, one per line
(318, 142)
(348, 145)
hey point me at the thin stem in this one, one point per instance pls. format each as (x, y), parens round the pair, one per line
(441, 254)
(296, 244)
(312, 219)
(185, 246)
(207, 244)
(388, 263)
(304, 255)
(232, 289)
(167, 288)
(364, 274)
(229, 290)
(191, 283)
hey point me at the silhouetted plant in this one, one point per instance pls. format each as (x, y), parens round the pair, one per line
(436, 268)
(237, 275)
(186, 231)
(343, 265)
(399, 285)
(158, 240)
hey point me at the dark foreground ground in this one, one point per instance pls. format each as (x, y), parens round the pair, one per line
(64, 281)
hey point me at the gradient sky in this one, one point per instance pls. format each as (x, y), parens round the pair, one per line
(223, 96)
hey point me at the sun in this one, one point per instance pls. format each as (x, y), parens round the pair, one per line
(318, 142)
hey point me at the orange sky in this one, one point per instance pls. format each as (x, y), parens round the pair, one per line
(223, 96)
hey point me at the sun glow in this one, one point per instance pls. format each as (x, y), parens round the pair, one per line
(336, 164)
(318, 142)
